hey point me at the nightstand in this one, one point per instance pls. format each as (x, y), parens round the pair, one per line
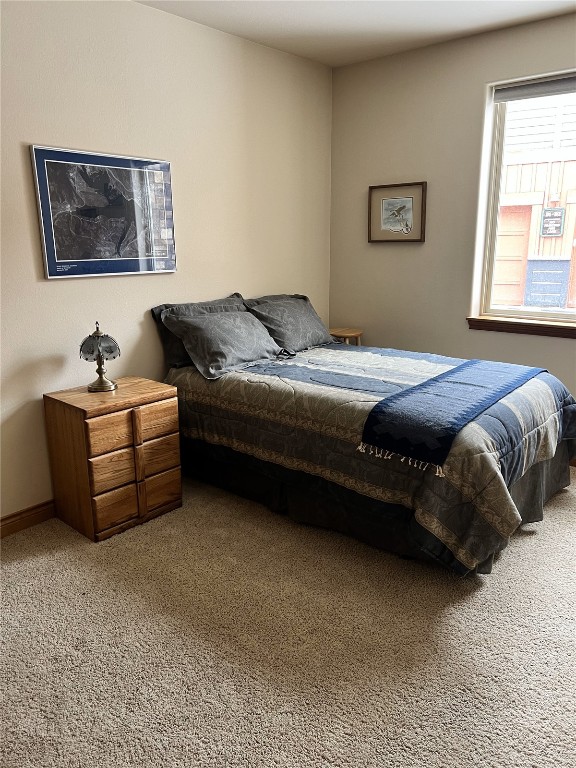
(348, 333)
(114, 456)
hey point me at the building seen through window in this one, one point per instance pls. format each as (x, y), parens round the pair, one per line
(530, 259)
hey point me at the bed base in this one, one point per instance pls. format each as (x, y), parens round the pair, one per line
(311, 500)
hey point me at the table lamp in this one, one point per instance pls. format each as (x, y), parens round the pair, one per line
(96, 348)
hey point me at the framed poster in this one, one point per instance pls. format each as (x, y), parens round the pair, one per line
(103, 214)
(397, 213)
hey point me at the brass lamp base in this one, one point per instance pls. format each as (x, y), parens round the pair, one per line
(102, 384)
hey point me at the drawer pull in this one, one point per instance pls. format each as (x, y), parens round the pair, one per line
(140, 462)
(137, 425)
(142, 492)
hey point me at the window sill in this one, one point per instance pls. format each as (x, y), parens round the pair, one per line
(516, 325)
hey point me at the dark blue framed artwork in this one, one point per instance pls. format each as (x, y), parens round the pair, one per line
(103, 214)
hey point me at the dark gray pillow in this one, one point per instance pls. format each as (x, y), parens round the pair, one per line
(274, 297)
(174, 351)
(291, 321)
(223, 341)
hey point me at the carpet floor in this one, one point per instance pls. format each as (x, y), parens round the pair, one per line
(222, 635)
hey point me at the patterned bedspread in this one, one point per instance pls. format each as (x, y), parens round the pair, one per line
(309, 413)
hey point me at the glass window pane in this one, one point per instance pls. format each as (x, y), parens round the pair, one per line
(534, 261)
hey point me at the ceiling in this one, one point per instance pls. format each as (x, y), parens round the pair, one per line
(340, 32)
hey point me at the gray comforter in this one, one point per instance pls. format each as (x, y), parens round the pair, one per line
(309, 413)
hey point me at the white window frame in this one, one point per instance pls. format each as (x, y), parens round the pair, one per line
(498, 94)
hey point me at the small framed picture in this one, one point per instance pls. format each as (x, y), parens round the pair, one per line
(103, 214)
(397, 213)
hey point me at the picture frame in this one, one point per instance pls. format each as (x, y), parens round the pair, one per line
(397, 213)
(103, 214)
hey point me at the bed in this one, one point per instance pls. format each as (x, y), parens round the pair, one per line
(427, 456)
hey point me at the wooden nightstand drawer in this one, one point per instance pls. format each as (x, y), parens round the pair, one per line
(158, 419)
(116, 430)
(164, 489)
(160, 454)
(111, 470)
(109, 433)
(115, 507)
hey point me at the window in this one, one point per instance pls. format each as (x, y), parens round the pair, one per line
(528, 281)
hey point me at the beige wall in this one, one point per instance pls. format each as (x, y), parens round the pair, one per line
(247, 131)
(418, 116)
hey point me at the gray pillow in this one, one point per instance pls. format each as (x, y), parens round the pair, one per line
(291, 321)
(221, 342)
(174, 351)
(274, 297)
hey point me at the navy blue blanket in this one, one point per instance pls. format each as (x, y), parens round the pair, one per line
(422, 421)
